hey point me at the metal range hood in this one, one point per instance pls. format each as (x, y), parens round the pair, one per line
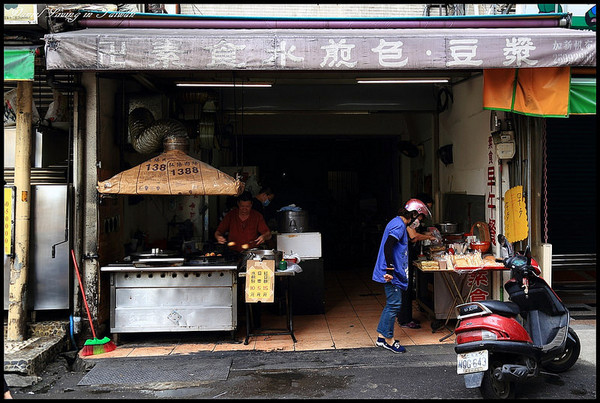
(173, 172)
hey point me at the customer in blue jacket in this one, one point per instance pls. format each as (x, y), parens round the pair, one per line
(391, 269)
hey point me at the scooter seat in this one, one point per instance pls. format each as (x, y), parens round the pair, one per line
(504, 308)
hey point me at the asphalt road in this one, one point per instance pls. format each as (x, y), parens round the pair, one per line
(424, 372)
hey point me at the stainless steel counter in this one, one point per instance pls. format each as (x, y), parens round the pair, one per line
(130, 268)
(172, 298)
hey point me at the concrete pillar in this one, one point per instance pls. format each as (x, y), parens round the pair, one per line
(17, 305)
(543, 255)
(89, 149)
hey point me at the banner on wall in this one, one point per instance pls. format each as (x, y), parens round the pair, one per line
(490, 193)
(19, 63)
(515, 215)
(491, 212)
(535, 92)
(545, 92)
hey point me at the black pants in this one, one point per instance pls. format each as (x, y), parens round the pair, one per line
(408, 297)
(405, 314)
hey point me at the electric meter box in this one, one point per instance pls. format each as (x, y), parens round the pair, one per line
(505, 147)
(505, 151)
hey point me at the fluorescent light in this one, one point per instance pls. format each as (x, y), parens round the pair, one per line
(224, 84)
(300, 112)
(431, 80)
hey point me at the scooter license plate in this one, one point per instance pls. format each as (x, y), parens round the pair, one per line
(467, 363)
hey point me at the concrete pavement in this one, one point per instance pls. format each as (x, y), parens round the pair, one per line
(425, 371)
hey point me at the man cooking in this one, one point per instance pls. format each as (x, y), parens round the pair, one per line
(246, 227)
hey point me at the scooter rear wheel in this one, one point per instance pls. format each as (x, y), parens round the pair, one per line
(568, 358)
(492, 388)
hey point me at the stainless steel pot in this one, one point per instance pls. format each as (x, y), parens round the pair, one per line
(261, 254)
(264, 254)
(448, 228)
(292, 221)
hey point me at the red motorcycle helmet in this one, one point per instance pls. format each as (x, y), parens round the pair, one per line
(418, 206)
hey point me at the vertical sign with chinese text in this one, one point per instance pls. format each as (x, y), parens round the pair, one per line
(515, 215)
(490, 193)
(260, 281)
(8, 220)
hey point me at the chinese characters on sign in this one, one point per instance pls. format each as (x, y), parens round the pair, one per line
(515, 215)
(517, 51)
(260, 281)
(490, 200)
(478, 281)
(8, 220)
(318, 49)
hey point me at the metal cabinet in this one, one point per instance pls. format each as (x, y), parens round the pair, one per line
(49, 281)
(166, 299)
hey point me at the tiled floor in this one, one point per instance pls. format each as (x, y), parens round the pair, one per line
(353, 304)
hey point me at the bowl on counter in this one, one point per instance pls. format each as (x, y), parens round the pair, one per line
(481, 246)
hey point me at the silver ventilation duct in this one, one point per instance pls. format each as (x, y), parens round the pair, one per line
(147, 135)
(173, 172)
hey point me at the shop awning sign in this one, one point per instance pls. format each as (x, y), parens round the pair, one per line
(98, 49)
(516, 227)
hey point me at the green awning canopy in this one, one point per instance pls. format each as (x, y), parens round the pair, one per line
(582, 96)
(19, 63)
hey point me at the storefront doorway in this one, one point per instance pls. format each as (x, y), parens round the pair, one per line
(572, 206)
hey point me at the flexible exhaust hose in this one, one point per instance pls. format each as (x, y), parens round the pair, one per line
(147, 134)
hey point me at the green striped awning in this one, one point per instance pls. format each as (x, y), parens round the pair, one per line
(19, 63)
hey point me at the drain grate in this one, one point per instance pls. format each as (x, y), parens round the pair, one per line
(161, 369)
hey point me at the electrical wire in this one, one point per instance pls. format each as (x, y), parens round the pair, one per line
(545, 179)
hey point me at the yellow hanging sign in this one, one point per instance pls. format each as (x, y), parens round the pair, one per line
(260, 281)
(515, 215)
(8, 220)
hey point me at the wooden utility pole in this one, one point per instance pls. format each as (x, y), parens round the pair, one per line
(17, 310)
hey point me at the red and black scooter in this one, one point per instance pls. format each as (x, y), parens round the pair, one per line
(502, 343)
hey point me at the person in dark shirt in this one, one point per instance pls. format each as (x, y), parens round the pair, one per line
(260, 202)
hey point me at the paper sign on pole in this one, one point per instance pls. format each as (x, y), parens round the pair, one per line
(515, 215)
(8, 220)
(260, 281)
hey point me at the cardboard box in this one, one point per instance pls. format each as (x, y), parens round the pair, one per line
(305, 244)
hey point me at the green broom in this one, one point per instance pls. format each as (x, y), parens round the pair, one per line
(94, 346)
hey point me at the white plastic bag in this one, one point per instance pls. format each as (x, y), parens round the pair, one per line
(57, 111)
(294, 267)
(10, 109)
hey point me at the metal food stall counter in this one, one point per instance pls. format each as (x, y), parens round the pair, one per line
(172, 298)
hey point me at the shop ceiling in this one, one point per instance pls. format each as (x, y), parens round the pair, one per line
(298, 92)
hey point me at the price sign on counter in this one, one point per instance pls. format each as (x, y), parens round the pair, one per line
(260, 281)
(515, 215)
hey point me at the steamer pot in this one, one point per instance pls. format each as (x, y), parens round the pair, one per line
(292, 221)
